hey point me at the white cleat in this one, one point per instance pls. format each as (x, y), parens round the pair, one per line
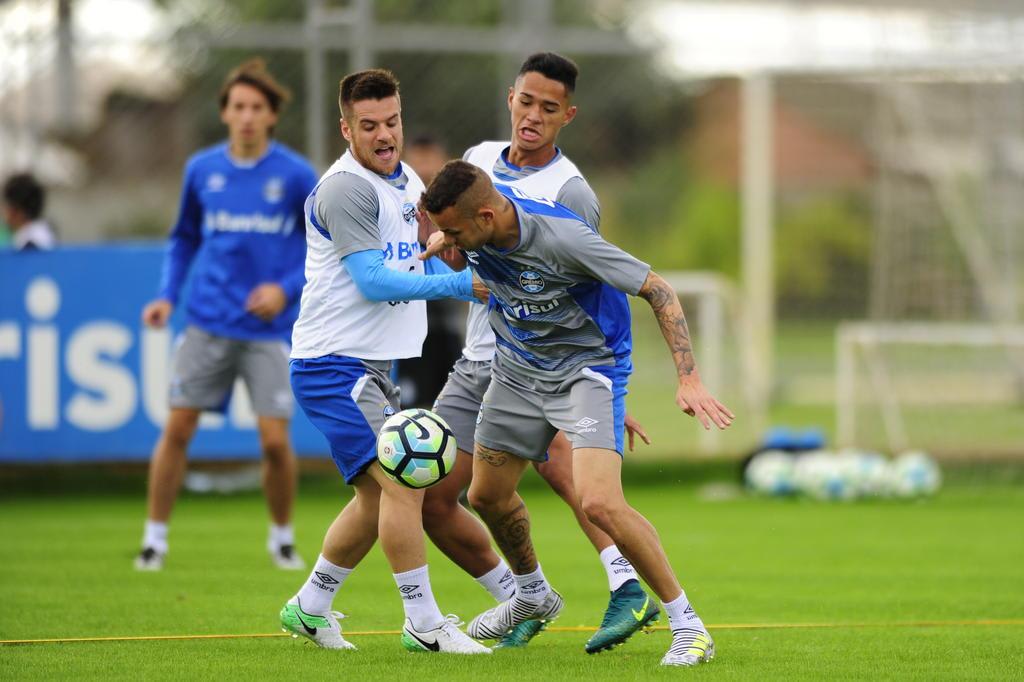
(497, 621)
(321, 629)
(286, 558)
(149, 559)
(689, 647)
(446, 638)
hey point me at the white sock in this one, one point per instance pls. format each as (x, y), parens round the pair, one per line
(498, 581)
(617, 567)
(532, 587)
(155, 536)
(281, 535)
(418, 599)
(317, 594)
(681, 614)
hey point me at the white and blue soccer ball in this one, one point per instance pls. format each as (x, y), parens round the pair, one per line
(870, 472)
(416, 448)
(914, 474)
(771, 473)
(825, 475)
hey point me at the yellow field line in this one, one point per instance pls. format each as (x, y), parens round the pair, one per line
(576, 628)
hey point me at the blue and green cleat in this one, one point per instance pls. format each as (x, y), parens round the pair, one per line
(520, 635)
(629, 609)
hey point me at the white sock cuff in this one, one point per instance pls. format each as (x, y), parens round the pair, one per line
(610, 552)
(678, 604)
(498, 581)
(282, 535)
(410, 575)
(155, 535)
(326, 566)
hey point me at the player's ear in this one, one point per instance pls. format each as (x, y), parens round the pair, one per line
(570, 114)
(511, 94)
(346, 132)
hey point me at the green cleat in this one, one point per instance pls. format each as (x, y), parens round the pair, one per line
(629, 609)
(322, 630)
(520, 635)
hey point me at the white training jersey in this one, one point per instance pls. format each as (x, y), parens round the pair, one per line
(353, 209)
(544, 182)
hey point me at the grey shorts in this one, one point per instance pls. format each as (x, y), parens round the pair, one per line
(205, 367)
(521, 415)
(459, 400)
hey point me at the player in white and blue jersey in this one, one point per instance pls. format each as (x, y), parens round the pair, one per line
(540, 103)
(362, 309)
(240, 234)
(562, 328)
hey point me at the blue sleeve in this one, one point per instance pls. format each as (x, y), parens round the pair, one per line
(436, 266)
(377, 282)
(306, 181)
(186, 236)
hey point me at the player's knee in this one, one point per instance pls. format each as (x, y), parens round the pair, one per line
(180, 429)
(485, 501)
(437, 509)
(276, 449)
(598, 510)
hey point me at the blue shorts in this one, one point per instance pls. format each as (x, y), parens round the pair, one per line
(348, 400)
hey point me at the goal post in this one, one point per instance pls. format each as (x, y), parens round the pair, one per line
(952, 387)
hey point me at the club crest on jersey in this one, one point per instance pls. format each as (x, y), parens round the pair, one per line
(216, 182)
(388, 411)
(273, 190)
(531, 282)
(409, 213)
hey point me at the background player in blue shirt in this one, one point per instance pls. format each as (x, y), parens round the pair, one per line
(241, 232)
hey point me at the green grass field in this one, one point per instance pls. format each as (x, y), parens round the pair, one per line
(65, 571)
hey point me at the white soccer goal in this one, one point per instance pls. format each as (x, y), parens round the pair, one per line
(947, 387)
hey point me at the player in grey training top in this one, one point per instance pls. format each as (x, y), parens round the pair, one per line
(559, 314)
(540, 104)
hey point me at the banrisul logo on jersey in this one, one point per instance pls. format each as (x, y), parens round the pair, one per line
(531, 282)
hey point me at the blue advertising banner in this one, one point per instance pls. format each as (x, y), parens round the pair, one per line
(82, 379)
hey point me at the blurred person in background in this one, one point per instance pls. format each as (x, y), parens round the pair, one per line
(240, 231)
(540, 105)
(422, 378)
(24, 199)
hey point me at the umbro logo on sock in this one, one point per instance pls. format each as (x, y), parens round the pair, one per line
(621, 561)
(409, 591)
(505, 578)
(325, 579)
(532, 587)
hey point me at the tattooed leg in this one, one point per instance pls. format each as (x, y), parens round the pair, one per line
(493, 495)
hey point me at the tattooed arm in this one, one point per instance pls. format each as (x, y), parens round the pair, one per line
(691, 396)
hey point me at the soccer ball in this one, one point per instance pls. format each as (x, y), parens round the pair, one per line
(416, 448)
(825, 476)
(870, 472)
(770, 473)
(914, 474)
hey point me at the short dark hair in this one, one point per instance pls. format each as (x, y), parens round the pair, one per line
(369, 84)
(455, 178)
(553, 66)
(254, 73)
(23, 192)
